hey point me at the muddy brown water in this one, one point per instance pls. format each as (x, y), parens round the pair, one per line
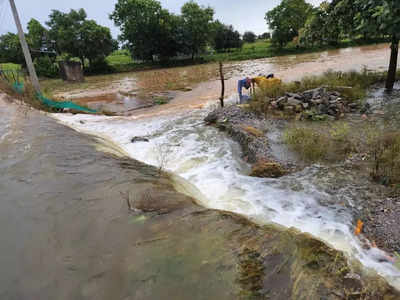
(67, 232)
(288, 68)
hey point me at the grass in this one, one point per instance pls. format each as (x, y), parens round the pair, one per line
(328, 142)
(264, 49)
(28, 96)
(336, 141)
(10, 66)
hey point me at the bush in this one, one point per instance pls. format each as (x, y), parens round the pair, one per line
(321, 145)
(45, 67)
(384, 151)
(99, 66)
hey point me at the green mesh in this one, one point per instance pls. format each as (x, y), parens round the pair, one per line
(64, 104)
(18, 87)
(12, 77)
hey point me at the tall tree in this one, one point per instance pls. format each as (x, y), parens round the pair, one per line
(321, 27)
(225, 37)
(381, 17)
(146, 29)
(249, 37)
(10, 49)
(37, 35)
(287, 19)
(197, 26)
(97, 41)
(78, 37)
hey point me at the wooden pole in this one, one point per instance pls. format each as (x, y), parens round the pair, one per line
(221, 73)
(25, 49)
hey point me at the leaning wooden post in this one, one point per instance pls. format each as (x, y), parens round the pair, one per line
(221, 73)
(25, 49)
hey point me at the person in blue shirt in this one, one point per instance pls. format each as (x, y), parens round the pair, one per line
(243, 83)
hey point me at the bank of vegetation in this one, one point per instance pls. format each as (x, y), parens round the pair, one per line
(151, 36)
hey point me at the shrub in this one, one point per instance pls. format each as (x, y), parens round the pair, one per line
(45, 67)
(384, 151)
(99, 66)
(310, 144)
(320, 144)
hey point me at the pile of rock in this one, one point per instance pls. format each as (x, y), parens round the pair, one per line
(319, 101)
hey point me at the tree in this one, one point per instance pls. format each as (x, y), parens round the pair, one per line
(287, 19)
(381, 17)
(97, 41)
(197, 25)
(265, 36)
(225, 37)
(78, 37)
(344, 12)
(249, 37)
(10, 49)
(37, 35)
(321, 27)
(146, 29)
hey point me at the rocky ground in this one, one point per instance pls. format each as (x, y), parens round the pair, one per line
(317, 104)
(251, 132)
(379, 213)
(382, 223)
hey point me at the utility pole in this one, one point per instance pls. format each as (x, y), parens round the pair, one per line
(25, 49)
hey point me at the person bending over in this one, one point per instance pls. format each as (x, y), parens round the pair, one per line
(243, 83)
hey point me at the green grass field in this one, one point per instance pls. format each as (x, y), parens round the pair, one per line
(10, 66)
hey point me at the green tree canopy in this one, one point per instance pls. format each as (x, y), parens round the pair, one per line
(377, 17)
(225, 37)
(249, 37)
(265, 36)
(10, 49)
(78, 37)
(197, 26)
(287, 19)
(321, 27)
(147, 29)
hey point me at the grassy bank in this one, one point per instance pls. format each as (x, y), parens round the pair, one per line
(377, 148)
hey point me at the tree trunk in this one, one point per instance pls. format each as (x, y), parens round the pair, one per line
(221, 73)
(391, 78)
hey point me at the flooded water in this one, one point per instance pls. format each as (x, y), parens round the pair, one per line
(211, 162)
(67, 233)
(116, 102)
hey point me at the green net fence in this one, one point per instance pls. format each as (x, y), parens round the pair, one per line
(14, 78)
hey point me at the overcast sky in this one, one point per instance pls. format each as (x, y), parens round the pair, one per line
(243, 15)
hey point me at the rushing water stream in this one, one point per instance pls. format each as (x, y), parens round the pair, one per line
(210, 161)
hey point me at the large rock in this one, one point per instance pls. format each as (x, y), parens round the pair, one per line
(71, 71)
(267, 169)
(293, 102)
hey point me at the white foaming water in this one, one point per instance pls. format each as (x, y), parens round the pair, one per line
(211, 162)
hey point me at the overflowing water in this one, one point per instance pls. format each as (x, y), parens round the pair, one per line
(210, 161)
